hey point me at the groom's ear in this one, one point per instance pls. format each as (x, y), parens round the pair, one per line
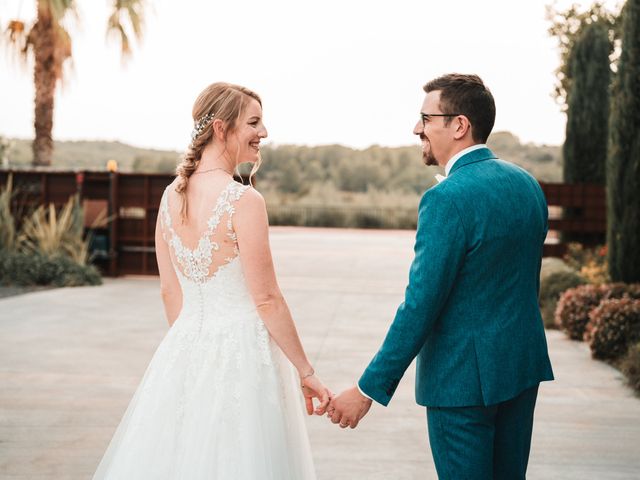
(462, 127)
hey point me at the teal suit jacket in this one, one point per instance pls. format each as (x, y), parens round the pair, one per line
(471, 312)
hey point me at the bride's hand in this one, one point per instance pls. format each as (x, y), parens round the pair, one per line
(312, 388)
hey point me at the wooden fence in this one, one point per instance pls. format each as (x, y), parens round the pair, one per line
(125, 245)
(576, 212)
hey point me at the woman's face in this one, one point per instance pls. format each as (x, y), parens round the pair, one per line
(244, 142)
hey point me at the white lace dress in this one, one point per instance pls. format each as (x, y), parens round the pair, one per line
(219, 400)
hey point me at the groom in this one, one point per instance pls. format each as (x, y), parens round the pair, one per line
(470, 312)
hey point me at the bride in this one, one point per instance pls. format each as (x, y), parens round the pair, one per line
(220, 399)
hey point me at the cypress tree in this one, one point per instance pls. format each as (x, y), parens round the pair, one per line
(623, 161)
(585, 146)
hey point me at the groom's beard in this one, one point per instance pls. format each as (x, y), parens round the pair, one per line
(427, 157)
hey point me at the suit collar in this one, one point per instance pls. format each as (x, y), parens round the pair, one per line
(474, 156)
(452, 161)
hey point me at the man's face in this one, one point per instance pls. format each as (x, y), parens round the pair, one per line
(435, 135)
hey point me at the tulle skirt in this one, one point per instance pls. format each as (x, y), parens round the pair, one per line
(218, 401)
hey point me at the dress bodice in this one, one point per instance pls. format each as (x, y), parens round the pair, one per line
(210, 272)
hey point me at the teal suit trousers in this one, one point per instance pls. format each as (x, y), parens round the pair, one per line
(483, 443)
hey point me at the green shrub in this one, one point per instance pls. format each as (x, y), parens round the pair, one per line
(552, 265)
(630, 366)
(591, 263)
(616, 326)
(551, 287)
(367, 220)
(329, 217)
(21, 269)
(49, 249)
(407, 221)
(574, 305)
(280, 216)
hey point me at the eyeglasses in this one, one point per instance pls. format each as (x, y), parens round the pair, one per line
(425, 116)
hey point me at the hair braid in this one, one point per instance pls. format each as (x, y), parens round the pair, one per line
(189, 164)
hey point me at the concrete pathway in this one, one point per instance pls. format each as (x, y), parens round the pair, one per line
(70, 360)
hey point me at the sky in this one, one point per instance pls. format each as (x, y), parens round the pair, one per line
(330, 72)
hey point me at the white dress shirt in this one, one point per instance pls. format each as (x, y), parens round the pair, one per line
(456, 157)
(363, 394)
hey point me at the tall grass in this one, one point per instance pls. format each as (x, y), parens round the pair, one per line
(53, 234)
(8, 235)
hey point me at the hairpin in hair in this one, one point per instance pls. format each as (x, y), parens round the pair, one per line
(200, 125)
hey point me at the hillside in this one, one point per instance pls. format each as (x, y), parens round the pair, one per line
(288, 165)
(93, 155)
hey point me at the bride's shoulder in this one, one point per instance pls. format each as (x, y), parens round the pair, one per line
(251, 198)
(251, 209)
(172, 186)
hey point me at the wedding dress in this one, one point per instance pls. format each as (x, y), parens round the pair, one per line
(219, 400)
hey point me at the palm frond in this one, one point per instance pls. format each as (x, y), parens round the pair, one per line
(16, 39)
(59, 8)
(16, 32)
(125, 21)
(117, 31)
(62, 51)
(135, 13)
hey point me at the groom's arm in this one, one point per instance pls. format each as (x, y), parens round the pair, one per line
(439, 252)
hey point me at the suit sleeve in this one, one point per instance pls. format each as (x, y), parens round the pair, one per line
(439, 253)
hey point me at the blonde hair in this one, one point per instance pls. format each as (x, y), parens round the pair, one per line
(223, 101)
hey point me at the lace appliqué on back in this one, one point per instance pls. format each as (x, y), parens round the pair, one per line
(198, 264)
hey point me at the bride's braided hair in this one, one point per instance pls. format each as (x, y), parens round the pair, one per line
(224, 101)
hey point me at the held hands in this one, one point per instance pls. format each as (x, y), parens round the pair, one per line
(348, 408)
(312, 388)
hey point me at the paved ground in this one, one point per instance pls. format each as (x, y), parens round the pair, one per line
(71, 358)
(13, 291)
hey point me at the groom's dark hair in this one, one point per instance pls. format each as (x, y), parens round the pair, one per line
(466, 95)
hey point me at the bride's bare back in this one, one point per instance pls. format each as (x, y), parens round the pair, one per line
(206, 240)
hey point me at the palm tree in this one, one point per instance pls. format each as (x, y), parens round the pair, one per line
(50, 45)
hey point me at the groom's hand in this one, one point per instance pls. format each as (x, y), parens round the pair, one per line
(348, 408)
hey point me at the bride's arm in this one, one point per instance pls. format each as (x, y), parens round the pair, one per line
(169, 285)
(252, 229)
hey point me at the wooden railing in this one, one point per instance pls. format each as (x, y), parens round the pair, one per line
(125, 245)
